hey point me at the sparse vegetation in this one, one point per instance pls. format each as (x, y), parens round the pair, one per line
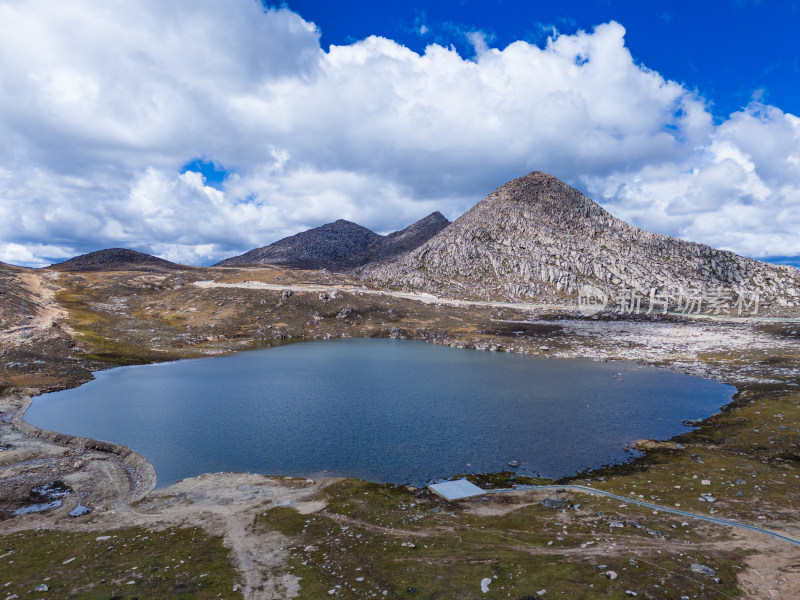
(383, 541)
(123, 564)
(748, 453)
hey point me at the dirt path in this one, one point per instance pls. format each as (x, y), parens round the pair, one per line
(41, 310)
(426, 298)
(222, 504)
(666, 509)
(226, 504)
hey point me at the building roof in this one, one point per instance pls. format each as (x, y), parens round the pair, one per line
(455, 490)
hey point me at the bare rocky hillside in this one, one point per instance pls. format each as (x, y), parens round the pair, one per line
(340, 245)
(537, 239)
(413, 236)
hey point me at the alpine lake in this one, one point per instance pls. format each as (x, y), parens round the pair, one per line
(381, 410)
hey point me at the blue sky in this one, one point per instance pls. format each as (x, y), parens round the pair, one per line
(197, 129)
(729, 50)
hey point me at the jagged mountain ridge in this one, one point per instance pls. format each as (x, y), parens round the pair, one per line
(537, 239)
(114, 259)
(341, 245)
(413, 236)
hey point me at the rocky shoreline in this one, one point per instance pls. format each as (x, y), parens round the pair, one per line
(142, 474)
(108, 319)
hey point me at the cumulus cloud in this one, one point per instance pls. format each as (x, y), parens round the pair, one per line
(102, 104)
(740, 190)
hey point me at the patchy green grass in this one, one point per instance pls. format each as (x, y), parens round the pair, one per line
(133, 563)
(747, 454)
(378, 541)
(502, 479)
(381, 505)
(94, 330)
(283, 519)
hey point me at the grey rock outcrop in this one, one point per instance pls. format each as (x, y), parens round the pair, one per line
(554, 503)
(535, 239)
(698, 568)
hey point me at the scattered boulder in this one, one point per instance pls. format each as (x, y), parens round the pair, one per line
(698, 568)
(654, 532)
(554, 503)
(80, 510)
(485, 585)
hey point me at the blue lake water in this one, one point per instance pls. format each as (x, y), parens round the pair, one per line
(381, 410)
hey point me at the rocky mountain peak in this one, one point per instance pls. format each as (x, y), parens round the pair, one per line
(542, 199)
(341, 245)
(536, 239)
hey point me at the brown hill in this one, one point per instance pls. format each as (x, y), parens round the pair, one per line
(7, 267)
(115, 259)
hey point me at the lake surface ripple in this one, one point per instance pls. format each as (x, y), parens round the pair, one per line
(381, 410)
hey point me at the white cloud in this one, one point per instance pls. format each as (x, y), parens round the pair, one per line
(18, 254)
(101, 103)
(479, 42)
(739, 191)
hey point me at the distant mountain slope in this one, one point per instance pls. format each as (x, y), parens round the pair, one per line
(413, 236)
(536, 238)
(337, 245)
(340, 246)
(114, 259)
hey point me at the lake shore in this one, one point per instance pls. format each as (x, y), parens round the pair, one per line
(381, 410)
(746, 442)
